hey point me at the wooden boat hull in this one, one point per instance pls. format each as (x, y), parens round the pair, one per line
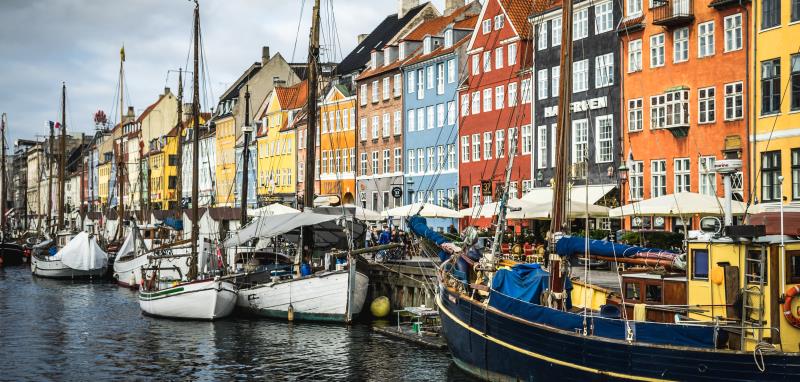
(55, 269)
(495, 346)
(199, 300)
(128, 273)
(11, 254)
(322, 297)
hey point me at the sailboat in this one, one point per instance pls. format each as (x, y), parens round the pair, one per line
(336, 293)
(507, 321)
(71, 255)
(11, 253)
(202, 297)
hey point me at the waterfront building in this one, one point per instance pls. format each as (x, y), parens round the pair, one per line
(595, 106)
(775, 87)
(495, 105)
(18, 178)
(276, 148)
(163, 171)
(259, 79)
(337, 145)
(207, 163)
(252, 198)
(683, 77)
(432, 76)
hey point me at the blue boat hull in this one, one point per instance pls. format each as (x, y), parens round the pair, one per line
(498, 347)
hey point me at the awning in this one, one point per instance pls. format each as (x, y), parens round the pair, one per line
(577, 193)
(422, 209)
(575, 209)
(680, 204)
(270, 226)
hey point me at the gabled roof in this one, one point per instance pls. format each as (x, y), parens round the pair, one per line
(292, 97)
(360, 55)
(150, 108)
(436, 25)
(518, 11)
(386, 68)
(436, 52)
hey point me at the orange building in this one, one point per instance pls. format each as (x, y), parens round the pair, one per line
(337, 144)
(684, 98)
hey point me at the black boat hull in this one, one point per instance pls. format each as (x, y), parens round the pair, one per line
(498, 347)
(11, 254)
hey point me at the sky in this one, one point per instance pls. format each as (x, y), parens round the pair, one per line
(46, 42)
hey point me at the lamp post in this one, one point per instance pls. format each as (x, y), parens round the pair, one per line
(622, 175)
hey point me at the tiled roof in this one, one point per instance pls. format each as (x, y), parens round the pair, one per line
(435, 25)
(436, 52)
(292, 97)
(467, 23)
(518, 12)
(631, 24)
(379, 36)
(385, 68)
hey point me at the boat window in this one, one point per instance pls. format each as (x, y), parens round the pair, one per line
(700, 264)
(653, 293)
(754, 265)
(793, 267)
(632, 291)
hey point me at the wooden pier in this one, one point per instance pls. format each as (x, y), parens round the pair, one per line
(405, 283)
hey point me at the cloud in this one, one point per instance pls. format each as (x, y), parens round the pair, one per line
(43, 43)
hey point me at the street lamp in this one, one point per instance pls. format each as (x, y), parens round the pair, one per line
(622, 174)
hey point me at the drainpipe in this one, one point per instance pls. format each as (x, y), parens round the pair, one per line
(749, 159)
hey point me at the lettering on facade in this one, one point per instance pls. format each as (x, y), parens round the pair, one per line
(589, 104)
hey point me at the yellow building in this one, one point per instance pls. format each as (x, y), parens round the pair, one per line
(275, 140)
(226, 162)
(776, 101)
(337, 144)
(163, 163)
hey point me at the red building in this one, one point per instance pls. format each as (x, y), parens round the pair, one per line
(495, 105)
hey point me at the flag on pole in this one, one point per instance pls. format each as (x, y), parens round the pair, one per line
(54, 125)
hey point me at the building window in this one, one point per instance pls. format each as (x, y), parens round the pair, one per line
(770, 86)
(633, 7)
(683, 175)
(429, 76)
(499, 95)
(700, 264)
(637, 180)
(398, 159)
(451, 71)
(386, 88)
(603, 17)
(498, 57)
(635, 115)
(420, 84)
(487, 99)
(541, 84)
(604, 70)
(525, 90)
(555, 76)
(476, 64)
(705, 39)
(770, 13)
(795, 80)
(527, 139)
(706, 108)
(512, 94)
(375, 128)
(677, 108)
(680, 45)
(512, 54)
(580, 76)
(386, 125)
(375, 168)
(398, 127)
(580, 24)
(580, 140)
(708, 177)
(555, 35)
(397, 87)
(541, 158)
(421, 161)
(795, 11)
(733, 32)
(420, 119)
(476, 102)
(634, 56)
(770, 171)
(363, 95)
(440, 163)
(513, 140)
(476, 195)
(451, 112)
(733, 101)
(363, 164)
(464, 105)
(541, 37)
(486, 26)
(795, 174)
(440, 78)
(410, 120)
(658, 178)
(657, 50)
(605, 142)
(658, 112)
(487, 61)
(487, 145)
(374, 91)
(499, 20)
(451, 157)
(440, 115)
(411, 82)
(500, 143)
(464, 149)
(412, 160)
(476, 147)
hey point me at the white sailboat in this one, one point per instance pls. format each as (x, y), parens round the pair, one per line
(198, 298)
(81, 257)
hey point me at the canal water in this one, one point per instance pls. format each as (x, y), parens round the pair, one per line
(62, 330)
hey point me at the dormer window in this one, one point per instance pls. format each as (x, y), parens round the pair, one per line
(487, 26)
(427, 45)
(499, 20)
(448, 38)
(402, 51)
(374, 60)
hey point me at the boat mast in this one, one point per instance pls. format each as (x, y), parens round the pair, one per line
(311, 130)
(120, 163)
(179, 172)
(49, 157)
(62, 155)
(3, 173)
(558, 223)
(245, 153)
(195, 142)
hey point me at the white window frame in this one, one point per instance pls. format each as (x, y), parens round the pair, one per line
(735, 99)
(498, 57)
(541, 84)
(580, 24)
(465, 149)
(705, 39)
(658, 177)
(487, 99)
(555, 77)
(541, 36)
(512, 94)
(635, 115)
(464, 104)
(541, 147)
(603, 17)
(476, 147)
(680, 45)
(440, 116)
(635, 56)
(386, 90)
(476, 102)
(512, 54)
(733, 32)
(580, 140)
(580, 76)
(555, 34)
(527, 139)
(500, 143)
(487, 145)
(709, 113)
(429, 117)
(657, 50)
(499, 97)
(451, 71)
(604, 70)
(411, 119)
(604, 154)
(398, 122)
(682, 175)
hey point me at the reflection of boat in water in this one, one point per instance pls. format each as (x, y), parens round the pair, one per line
(80, 257)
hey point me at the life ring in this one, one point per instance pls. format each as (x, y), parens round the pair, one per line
(790, 295)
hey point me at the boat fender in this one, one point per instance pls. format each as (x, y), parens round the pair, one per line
(290, 313)
(790, 295)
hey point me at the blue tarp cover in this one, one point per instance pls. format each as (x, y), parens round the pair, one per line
(419, 226)
(525, 282)
(646, 332)
(573, 245)
(174, 223)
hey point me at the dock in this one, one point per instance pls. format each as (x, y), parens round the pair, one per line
(406, 334)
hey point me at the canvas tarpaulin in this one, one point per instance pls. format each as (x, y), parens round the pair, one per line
(83, 253)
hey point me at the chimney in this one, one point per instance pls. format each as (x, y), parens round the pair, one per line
(403, 6)
(361, 37)
(264, 55)
(166, 90)
(452, 5)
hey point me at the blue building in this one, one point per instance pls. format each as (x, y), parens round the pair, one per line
(430, 108)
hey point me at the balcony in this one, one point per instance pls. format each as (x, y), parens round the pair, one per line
(673, 13)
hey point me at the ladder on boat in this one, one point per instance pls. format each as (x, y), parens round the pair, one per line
(753, 298)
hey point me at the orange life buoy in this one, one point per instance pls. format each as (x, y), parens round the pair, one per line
(790, 295)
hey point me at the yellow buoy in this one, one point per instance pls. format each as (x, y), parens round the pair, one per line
(380, 307)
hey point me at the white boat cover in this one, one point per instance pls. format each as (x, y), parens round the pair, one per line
(83, 253)
(269, 226)
(270, 210)
(127, 245)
